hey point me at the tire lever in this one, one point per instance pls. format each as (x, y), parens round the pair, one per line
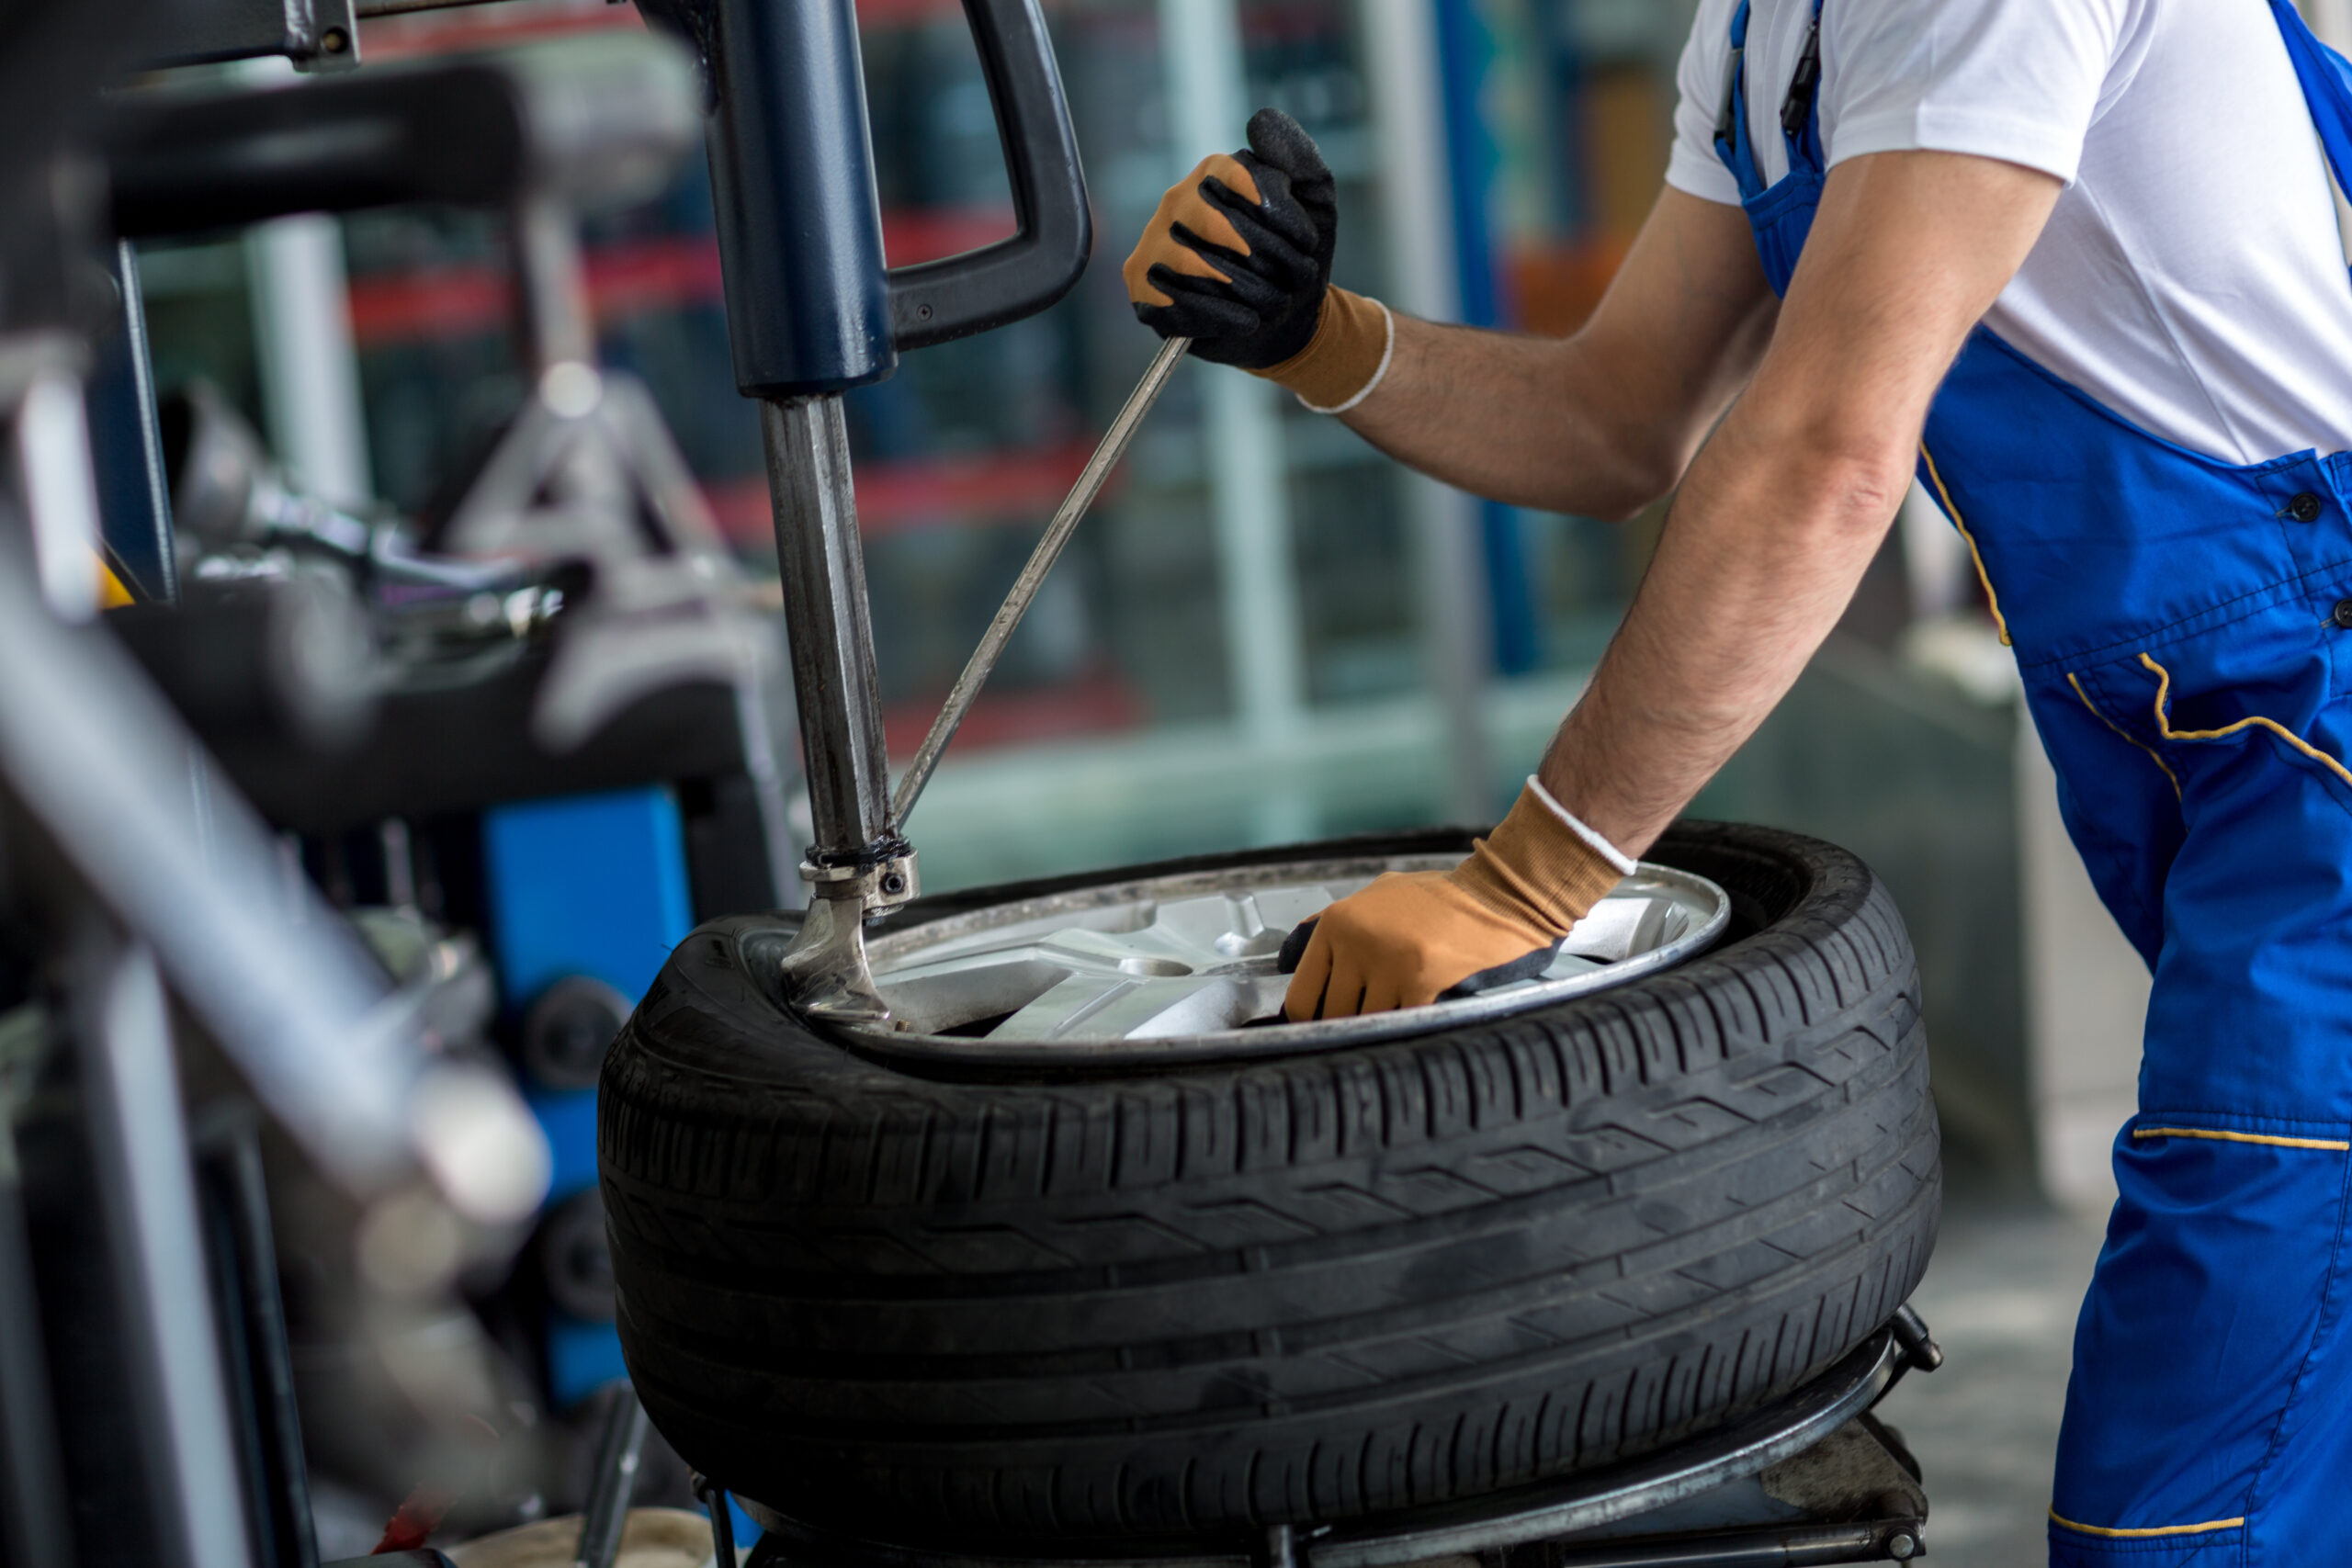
(1090, 479)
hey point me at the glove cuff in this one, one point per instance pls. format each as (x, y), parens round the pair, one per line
(1346, 359)
(1542, 865)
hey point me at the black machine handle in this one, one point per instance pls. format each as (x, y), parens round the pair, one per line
(934, 301)
(812, 309)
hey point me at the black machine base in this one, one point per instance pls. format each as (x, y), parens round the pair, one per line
(1814, 1478)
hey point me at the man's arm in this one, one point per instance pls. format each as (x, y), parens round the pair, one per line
(1772, 530)
(1786, 504)
(1602, 423)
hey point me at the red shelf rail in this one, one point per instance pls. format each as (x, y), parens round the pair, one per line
(626, 278)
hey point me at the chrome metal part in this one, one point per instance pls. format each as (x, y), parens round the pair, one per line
(1175, 968)
(882, 885)
(858, 864)
(1090, 479)
(1544, 1511)
(588, 468)
(825, 970)
(827, 625)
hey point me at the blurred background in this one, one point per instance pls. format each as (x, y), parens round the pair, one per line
(1299, 639)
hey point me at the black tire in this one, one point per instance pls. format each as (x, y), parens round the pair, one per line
(996, 1308)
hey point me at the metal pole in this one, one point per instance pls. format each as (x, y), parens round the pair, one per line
(1401, 53)
(146, 1201)
(858, 866)
(310, 369)
(1241, 426)
(827, 626)
(551, 285)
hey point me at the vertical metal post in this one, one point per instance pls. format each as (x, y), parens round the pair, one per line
(235, 1200)
(1401, 57)
(146, 1198)
(310, 367)
(1249, 484)
(858, 863)
(551, 285)
(808, 317)
(827, 624)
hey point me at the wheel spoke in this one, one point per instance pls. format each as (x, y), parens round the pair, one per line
(1202, 962)
(1129, 1008)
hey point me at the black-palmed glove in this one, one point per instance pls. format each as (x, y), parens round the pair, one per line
(1238, 259)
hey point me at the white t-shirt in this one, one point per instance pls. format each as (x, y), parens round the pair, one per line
(2191, 279)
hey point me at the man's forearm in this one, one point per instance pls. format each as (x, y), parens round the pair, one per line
(1754, 566)
(1603, 423)
(1507, 416)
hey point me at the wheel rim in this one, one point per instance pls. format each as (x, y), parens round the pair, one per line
(1180, 967)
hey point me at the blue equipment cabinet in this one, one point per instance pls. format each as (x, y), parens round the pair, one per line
(587, 895)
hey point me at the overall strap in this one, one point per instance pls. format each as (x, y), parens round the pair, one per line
(2326, 80)
(1733, 145)
(1800, 110)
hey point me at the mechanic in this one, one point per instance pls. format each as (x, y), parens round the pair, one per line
(2078, 264)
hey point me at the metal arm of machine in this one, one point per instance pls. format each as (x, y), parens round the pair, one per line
(811, 311)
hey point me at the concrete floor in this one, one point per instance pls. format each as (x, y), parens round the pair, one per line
(2001, 1296)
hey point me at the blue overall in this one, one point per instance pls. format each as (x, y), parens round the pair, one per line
(2183, 627)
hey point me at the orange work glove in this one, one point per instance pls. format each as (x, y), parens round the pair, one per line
(1238, 258)
(1412, 936)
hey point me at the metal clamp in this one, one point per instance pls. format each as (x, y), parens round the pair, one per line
(879, 886)
(863, 865)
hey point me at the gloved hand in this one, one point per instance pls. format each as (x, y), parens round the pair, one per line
(1238, 259)
(1411, 936)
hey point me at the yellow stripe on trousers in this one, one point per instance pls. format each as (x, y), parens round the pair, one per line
(2208, 1528)
(2218, 1135)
